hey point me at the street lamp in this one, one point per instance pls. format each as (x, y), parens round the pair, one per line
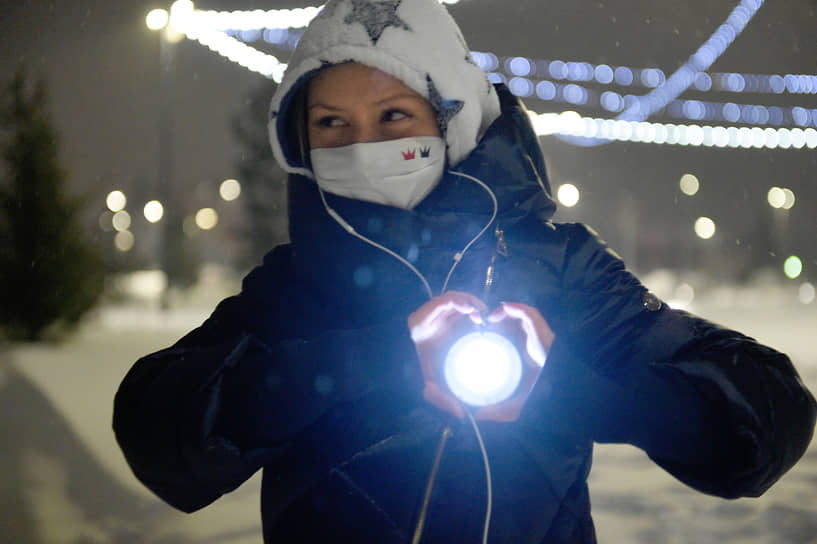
(160, 20)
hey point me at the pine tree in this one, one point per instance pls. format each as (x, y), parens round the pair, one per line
(50, 272)
(263, 183)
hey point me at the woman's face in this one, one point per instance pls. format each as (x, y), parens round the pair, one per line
(352, 103)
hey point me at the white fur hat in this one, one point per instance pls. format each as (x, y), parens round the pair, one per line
(415, 41)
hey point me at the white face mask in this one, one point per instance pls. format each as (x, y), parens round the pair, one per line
(397, 173)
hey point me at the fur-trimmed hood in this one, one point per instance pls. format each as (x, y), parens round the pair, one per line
(415, 41)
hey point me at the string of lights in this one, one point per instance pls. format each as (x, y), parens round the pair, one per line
(572, 125)
(626, 76)
(696, 110)
(227, 32)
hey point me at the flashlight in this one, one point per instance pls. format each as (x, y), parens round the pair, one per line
(482, 368)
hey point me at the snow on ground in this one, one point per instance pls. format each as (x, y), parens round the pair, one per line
(64, 480)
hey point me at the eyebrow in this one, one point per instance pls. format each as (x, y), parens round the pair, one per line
(390, 98)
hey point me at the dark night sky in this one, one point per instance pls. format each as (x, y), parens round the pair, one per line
(101, 63)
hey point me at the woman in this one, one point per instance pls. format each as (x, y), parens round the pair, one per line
(419, 209)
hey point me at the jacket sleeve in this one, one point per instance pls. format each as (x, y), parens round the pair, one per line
(197, 419)
(163, 418)
(719, 411)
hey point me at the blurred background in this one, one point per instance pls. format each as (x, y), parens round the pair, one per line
(137, 188)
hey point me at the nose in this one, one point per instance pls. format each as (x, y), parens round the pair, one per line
(364, 131)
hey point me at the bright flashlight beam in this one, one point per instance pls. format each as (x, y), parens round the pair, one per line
(483, 368)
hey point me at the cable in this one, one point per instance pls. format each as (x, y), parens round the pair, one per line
(488, 486)
(458, 256)
(432, 477)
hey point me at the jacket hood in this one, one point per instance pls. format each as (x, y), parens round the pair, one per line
(415, 41)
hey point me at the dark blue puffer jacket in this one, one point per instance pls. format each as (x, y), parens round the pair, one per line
(310, 374)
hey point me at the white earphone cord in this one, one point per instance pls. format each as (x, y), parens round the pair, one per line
(457, 258)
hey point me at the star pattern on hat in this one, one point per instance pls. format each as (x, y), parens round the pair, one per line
(446, 109)
(376, 17)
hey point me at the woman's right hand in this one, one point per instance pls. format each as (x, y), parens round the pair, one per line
(434, 327)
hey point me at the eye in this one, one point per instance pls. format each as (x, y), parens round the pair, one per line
(395, 115)
(329, 121)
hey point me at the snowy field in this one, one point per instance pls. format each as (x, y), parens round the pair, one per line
(63, 478)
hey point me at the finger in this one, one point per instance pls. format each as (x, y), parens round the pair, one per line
(537, 332)
(439, 312)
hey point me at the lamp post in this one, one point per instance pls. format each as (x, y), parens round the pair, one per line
(158, 20)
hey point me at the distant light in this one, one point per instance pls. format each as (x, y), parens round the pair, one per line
(121, 220)
(146, 284)
(604, 74)
(705, 228)
(568, 195)
(776, 197)
(623, 76)
(154, 211)
(806, 293)
(124, 240)
(116, 201)
(521, 86)
(157, 19)
(793, 267)
(546, 90)
(519, 66)
(684, 295)
(229, 189)
(106, 221)
(206, 218)
(788, 202)
(689, 184)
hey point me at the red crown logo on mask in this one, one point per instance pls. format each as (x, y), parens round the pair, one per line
(408, 155)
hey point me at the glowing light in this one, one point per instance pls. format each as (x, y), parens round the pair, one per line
(704, 228)
(793, 267)
(106, 221)
(229, 189)
(482, 368)
(121, 220)
(806, 293)
(157, 19)
(788, 199)
(776, 197)
(689, 184)
(154, 211)
(124, 240)
(116, 201)
(684, 295)
(568, 195)
(206, 218)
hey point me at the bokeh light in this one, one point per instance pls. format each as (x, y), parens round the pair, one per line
(106, 221)
(776, 197)
(806, 293)
(116, 201)
(154, 211)
(121, 220)
(568, 195)
(124, 240)
(156, 19)
(788, 199)
(793, 267)
(705, 228)
(229, 189)
(206, 218)
(689, 184)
